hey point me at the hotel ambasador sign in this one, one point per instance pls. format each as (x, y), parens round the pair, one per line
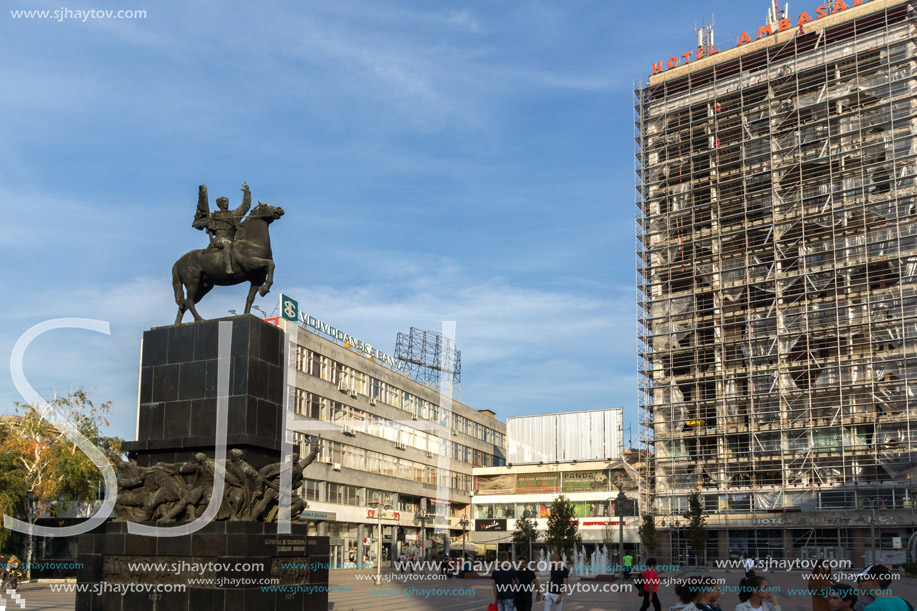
(771, 28)
(289, 309)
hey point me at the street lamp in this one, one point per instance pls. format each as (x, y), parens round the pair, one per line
(464, 522)
(673, 524)
(873, 505)
(380, 508)
(422, 515)
(620, 504)
(609, 513)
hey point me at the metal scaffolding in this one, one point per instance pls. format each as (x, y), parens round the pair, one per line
(427, 359)
(777, 270)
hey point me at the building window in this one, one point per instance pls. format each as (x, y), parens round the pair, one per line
(311, 490)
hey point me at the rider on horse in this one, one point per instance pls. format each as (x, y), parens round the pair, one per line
(222, 224)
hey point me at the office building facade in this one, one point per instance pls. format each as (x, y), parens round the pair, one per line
(385, 439)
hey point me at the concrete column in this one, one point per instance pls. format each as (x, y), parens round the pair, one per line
(722, 544)
(861, 543)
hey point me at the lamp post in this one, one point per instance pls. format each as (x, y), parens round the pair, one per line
(674, 522)
(464, 522)
(620, 504)
(622, 498)
(422, 516)
(379, 507)
(873, 505)
(609, 512)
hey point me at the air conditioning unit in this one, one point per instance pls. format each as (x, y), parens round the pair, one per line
(429, 454)
(353, 392)
(413, 417)
(372, 400)
(343, 386)
(348, 430)
(400, 446)
(336, 466)
(328, 461)
(454, 433)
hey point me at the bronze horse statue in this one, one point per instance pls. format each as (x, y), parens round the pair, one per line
(198, 271)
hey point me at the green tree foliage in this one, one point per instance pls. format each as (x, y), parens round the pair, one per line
(562, 533)
(12, 482)
(49, 473)
(649, 537)
(526, 534)
(696, 529)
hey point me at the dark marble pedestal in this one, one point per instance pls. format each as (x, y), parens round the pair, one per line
(178, 392)
(225, 566)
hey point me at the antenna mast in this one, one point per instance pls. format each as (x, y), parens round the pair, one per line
(705, 35)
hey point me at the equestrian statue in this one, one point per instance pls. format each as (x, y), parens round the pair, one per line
(239, 251)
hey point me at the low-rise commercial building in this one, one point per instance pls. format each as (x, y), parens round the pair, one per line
(502, 495)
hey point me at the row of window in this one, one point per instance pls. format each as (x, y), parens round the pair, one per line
(352, 457)
(479, 431)
(345, 494)
(810, 500)
(354, 419)
(350, 380)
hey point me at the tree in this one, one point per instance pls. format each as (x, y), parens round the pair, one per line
(562, 534)
(608, 534)
(526, 533)
(647, 532)
(696, 529)
(55, 473)
(12, 483)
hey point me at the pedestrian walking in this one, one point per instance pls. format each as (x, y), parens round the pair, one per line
(504, 583)
(529, 590)
(650, 586)
(557, 586)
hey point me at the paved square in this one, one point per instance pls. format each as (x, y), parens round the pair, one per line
(432, 594)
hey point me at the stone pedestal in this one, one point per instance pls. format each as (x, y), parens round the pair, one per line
(225, 566)
(178, 392)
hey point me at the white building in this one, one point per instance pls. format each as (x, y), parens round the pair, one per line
(566, 436)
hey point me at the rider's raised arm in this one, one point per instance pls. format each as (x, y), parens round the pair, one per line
(246, 202)
(202, 214)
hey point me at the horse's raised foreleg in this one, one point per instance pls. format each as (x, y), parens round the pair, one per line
(253, 289)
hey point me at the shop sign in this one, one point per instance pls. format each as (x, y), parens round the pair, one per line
(585, 481)
(536, 483)
(319, 515)
(490, 525)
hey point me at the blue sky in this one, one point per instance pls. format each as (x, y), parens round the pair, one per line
(437, 161)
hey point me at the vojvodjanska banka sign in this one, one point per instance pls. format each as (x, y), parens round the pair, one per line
(289, 309)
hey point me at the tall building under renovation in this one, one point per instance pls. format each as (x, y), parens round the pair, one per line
(777, 284)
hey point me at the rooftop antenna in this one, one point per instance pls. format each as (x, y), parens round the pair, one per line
(705, 35)
(774, 14)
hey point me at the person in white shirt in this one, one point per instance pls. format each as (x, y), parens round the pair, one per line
(749, 566)
(754, 594)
